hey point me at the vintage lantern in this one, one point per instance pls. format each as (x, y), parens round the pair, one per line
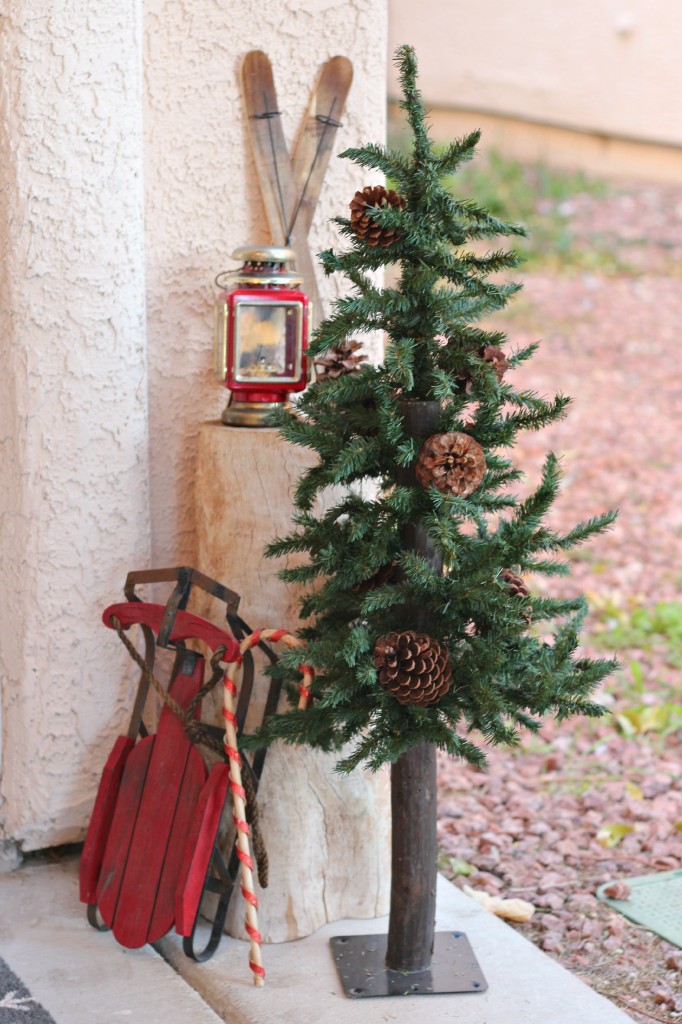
(262, 323)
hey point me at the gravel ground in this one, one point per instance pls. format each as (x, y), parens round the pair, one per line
(530, 827)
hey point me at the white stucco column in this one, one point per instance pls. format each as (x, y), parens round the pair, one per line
(73, 399)
(109, 243)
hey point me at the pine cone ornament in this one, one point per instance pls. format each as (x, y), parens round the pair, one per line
(340, 359)
(517, 588)
(453, 463)
(414, 667)
(386, 574)
(515, 584)
(374, 196)
(496, 358)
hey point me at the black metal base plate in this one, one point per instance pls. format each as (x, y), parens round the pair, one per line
(360, 961)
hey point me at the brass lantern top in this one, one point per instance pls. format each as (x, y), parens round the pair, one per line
(263, 266)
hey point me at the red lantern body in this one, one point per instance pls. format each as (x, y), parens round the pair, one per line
(262, 325)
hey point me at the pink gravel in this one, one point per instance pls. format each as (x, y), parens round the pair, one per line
(529, 826)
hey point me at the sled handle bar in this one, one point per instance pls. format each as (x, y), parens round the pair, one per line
(185, 627)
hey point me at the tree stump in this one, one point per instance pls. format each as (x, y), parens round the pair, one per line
(327, 836)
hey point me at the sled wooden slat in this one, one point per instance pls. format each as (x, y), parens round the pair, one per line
(122, 826)
(199, 848)
(102, 816)
(163, 917)
(175, 776)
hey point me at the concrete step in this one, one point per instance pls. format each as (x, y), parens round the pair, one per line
(302, 986)
(79, 975)
(84, 977)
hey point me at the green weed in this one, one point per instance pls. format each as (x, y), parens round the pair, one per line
(656, 718)
(644, 628)
(455, 866)
(539, 197)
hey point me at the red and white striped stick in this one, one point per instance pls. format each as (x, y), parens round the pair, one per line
(238, 794)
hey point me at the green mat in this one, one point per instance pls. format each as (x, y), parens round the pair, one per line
(655, 902)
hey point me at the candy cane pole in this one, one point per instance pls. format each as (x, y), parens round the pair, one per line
(238, 794)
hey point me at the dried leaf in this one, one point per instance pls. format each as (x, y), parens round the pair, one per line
(618, 891)
(511, 910)
(611, 835)
(673, 962)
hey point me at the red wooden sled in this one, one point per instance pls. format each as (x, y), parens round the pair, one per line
(151, 852)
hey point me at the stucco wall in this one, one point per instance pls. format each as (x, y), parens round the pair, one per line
(73, 405)
(111, 238)
(605, 66)
(202, 196)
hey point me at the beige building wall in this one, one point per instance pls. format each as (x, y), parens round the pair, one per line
(593, 82)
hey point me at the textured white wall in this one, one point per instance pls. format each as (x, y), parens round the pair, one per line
(92, 381)
(73, 405)
(203, 201)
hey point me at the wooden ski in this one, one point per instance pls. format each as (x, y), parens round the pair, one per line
(317, 135)
(273, 164)
(290, 186)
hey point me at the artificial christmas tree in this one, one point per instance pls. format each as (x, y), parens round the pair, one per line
(421, 580)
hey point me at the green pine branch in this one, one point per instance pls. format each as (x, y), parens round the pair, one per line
(357, 577)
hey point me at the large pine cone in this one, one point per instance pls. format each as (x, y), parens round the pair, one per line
(340, 359)
(414, 667)
(374, 196)
(453, 463)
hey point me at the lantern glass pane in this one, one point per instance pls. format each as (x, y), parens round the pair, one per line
(268, 341)
(220, 340)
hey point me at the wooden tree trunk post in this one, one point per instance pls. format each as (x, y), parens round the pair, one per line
(412, 919)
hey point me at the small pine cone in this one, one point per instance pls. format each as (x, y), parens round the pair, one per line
(414, 667)
(386, 574)
(374, 196)
(515, 584)
(492, 355)
(517, 588)
(496, 358)
(340, 359)
(453, 463)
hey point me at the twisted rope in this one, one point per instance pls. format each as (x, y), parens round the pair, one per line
(239, 816)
